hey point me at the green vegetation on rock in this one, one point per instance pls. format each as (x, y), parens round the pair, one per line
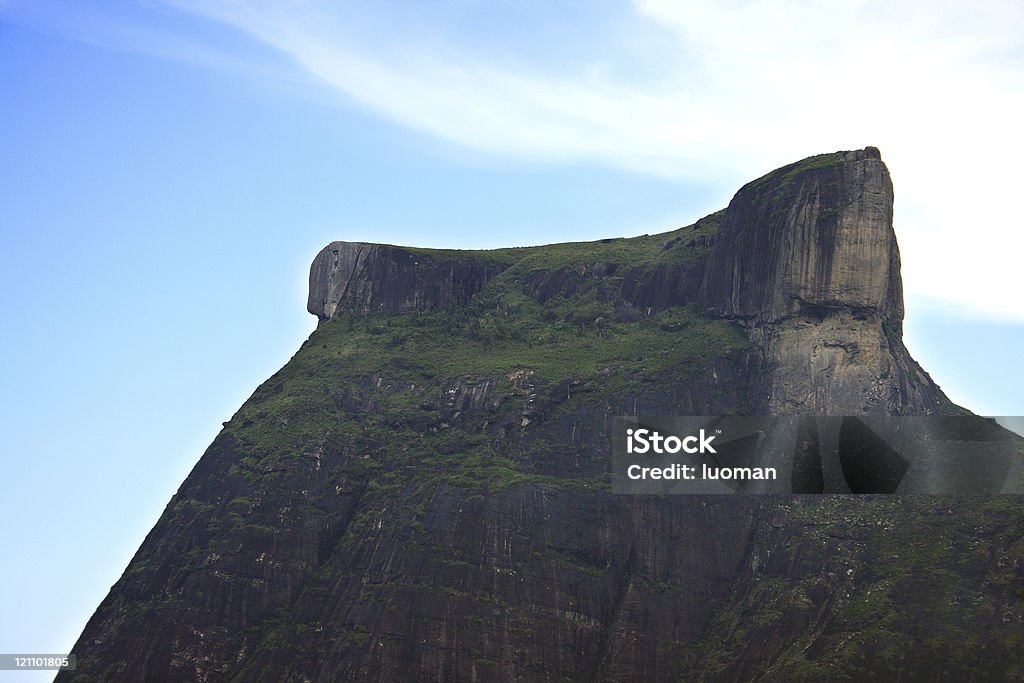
(381, 383)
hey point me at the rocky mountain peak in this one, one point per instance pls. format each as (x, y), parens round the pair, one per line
(809, 239)
(422, 492)
(807, 259)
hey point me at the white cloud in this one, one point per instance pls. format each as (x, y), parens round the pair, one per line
(111, 26)
(722, 91)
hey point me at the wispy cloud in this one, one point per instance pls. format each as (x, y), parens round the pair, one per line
(484, 105)
(145, 29)
(701, 89)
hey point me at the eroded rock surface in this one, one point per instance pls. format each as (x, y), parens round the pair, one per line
(807, 258)
(379, 278)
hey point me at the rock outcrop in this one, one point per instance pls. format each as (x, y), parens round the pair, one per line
(807, 259)
(422, 492)
(808, 239)
(380, 278)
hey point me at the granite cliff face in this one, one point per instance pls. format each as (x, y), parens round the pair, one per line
(422, 492)
(379, 278)
(809, 239)
(807, 259)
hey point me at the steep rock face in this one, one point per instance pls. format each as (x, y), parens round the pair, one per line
(379, 278)
(841, 365)
(874, 589)
(808, 238)
(422, 492)
(807, 259)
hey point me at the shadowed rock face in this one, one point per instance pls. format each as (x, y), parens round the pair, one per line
(422, 492)
(379, 278)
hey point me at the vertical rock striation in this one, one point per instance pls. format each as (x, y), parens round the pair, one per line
(807, 259)
(379, 278)
(809, 238)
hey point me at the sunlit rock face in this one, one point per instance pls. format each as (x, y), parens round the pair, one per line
(807, 259)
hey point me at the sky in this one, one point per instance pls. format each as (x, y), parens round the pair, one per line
(171, 167)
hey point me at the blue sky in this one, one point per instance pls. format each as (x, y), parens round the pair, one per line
(171, 168)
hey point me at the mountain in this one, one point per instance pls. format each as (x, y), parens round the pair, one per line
(424, 491)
